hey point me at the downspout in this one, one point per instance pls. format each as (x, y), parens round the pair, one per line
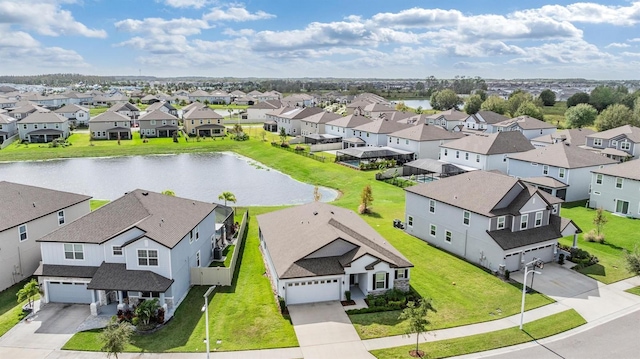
(466, 234)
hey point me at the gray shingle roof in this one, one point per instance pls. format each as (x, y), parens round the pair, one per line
(507, 239)
(115, 276)
(123, 106)
(629, 169)
(322, 117)
(350, 121)
(491, 144)
(21, 203)
(196, 113)
(573, 136)
(54, 270)
(157, 115)
(164, 219)
(632, 133)
(382, 126)
(449, 115)
(525, 123)
(294, 233)
(488, 117)
(564, 156)
(44, 117)
(71, 108)
(109, 116)
(426, 132)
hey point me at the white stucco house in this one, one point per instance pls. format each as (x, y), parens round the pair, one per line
(530, 127)
(316, 252)
(423, 140)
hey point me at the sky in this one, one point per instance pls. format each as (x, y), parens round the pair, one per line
(326, 38)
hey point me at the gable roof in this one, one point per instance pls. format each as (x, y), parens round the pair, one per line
(449, 115)
(156, 105)
(525, 123)
(488, 117)
(294, 233)
(563, 155)
(109, 116)
(164, 219)
(382, 126)
(71, 108)
(350, 121)
(322, 117)
(426, 132)
(21, 203)
(296, 113)
(199, 93)
(632, 133)
(573, 136)
(267, 105)
(44, 117)
(123, 106)
(491, 144)
(157, 115)
(629, 169)
(6, 119)
(197, 113)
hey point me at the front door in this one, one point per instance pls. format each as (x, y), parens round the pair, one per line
(353, 279)
(622, 206)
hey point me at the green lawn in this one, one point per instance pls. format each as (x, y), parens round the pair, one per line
(228, 252)
(634, 290)
(10, 310)
(97, 203)
(555, 114)
(535, 330)
(244, 316)
(620, 233)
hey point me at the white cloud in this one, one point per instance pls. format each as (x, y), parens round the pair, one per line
(619, 45)
(236, 13)
(566, 52)
(635, 39)
(239, 33)
(590, 13)
(417, 17)
(467, 65)
(45, 18)
(630, 54)
(196, 4)
(158, 26)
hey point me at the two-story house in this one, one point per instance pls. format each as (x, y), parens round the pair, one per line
(140, 246)
(110, 125)
(490, 219)
(530, 127)
(315, 124)
(204, 122)
(158, 124)
(42, 127)
(24, 110)
(620, 143)
(617, 189)
(8, 127)
(220, 97)
(128, 109)
(163, 106)
(290, 118)
(375, 133)
(344, 128)
(422, 139)
(484, 151)
(258, 112)
(448, 119)
(200, 96)
(572, 136)
(569, 165)
(76, 114)
(481, 120)
(316, 252)
(28, 213)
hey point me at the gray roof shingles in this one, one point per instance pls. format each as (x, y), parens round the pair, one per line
(629, 169)
(491, 144)
(564, 156)
(115, 276)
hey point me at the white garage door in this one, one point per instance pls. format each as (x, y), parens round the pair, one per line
(67, 292)
(311, 291)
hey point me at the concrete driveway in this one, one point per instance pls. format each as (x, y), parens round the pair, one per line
(49, 328)
(325, 331)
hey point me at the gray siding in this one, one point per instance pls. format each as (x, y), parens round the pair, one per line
(605, 195)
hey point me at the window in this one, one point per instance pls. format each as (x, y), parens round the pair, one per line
(501, 222)
(597, 141)
(432, 230)
(410, 221)
(619, 182)
(598, 179)
(147, 257)
(555, 208)
(73, 251)
(390, 139)
(149, 295)
(466, 218)
(432, 206)
(545, 170)
(625, 146)
(380, 280)
(614, 143)
(198, 259)
(477, 158)
(60, 218)
(23, 232)
(153, 122)
(197, 234)
(538, 222)
(406, 142)
(445, 152)
(466, 156)
(397, 141)
(401, 273)
(523, 221)
(504, 158)
(561, 172)
(457, 154)
(117, 250)
(596, 193)
(447, 236)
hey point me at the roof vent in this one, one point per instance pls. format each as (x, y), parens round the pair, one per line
(315, 213)
(145, 193)
(34, 204)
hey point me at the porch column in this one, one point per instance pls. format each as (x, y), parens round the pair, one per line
(161, 299)
(575, 240)
(120, 300)
(93, 307)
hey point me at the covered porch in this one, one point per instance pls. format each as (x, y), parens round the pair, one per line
(166, 131)
(316, 138)
(210, 130)
(270, 126)
(358, 156)
(119, 133)
(44, 135)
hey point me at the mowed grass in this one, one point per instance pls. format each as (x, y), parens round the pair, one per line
(10, 310)
(243, 316)
(634, 290)
(97, 203)
(621, 234)
(535, 330)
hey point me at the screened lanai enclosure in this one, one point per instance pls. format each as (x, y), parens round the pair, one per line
(357, 157)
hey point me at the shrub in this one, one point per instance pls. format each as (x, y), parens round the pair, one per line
(561, 259)
(347, 294)
(284, 144)
(299, 148)
(593, 236)
(507, 274)
(283, 306)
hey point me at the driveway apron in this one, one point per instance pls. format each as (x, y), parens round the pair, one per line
(325, 331)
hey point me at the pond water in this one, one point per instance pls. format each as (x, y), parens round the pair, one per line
(202, 176)
(425, 104)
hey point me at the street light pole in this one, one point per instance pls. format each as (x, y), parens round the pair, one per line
(206, 314)
(536, 263)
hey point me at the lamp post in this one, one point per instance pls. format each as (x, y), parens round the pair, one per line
(205, 309)
(535, 263)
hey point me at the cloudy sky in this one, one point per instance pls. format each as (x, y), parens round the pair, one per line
(327, 38)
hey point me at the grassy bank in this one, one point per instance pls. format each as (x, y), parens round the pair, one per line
(10, 310)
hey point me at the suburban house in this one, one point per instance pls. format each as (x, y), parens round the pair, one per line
(315, 124)
(448, 119)
(204, 122)
(164, 107)
(481, 120)
(76, 114)
(375, 132)
(374, 110)
(299, 100)
(200, 96)
(158, 124)
(343, 127)
(8, 127)
(23, 111)
(487, 218)
(220, 97)
(26, 214)
(423, 140)
(290, 118)
(149, 99)
(41, 127)
(570, 165)
(529, 126)
(620, 143)
(140, 246)
(484, 151)
(617, 189)
(110, 125)
(128, 109)
(316, 252)
(573, 136)
(7, 103)
(259, 111)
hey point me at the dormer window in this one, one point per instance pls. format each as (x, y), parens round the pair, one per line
(524, 219)
(501, 222)
(597, 142)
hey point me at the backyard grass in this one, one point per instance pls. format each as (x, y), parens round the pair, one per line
(97, 203)
(243, 316)
(620, 233)
(10, 310)
(228, 252)
(634, 290)
(535, 330)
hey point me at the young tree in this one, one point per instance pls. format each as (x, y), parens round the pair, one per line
(416, 314)
(316, 194)
(604, 96)
(473, 104)
(445, 100)
(30, 290)
(633, 260)
(600, 220)
(548, 97)
(366, 198)
(169, 192)
(283, 135)
(400, 106)
(115, 337)
(517, 99)
(614, 116)
(576, 98)
(530, 109)
(581, 115)
(495, 104)
(227, 197)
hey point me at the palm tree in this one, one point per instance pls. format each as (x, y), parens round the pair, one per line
(30, 290)
(227, 197)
